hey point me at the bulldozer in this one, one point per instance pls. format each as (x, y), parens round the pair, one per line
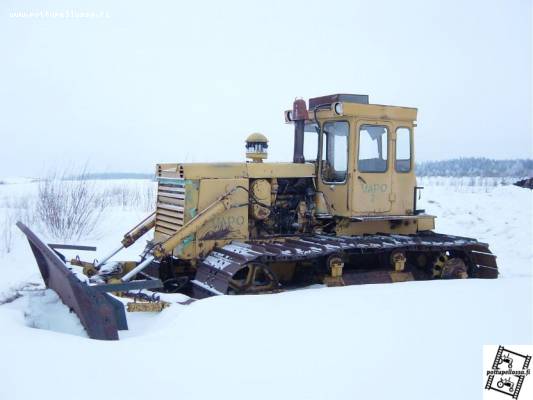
(344, 213)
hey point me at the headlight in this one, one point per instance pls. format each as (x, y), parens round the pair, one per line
(338, 108)
(288, 116)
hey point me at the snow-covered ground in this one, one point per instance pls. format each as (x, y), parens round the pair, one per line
(416, 340)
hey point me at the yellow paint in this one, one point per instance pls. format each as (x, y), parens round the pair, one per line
(388, 193)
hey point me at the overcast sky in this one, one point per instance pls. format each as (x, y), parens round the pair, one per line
(148, 82)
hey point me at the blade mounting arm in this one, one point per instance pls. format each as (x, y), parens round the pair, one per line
(131, 236)
(165, 248)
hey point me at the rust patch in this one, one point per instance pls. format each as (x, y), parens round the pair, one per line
(218, 234)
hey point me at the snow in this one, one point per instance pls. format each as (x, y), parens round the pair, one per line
(43, 309)
(416, 340)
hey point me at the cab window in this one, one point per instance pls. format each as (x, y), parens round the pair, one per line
(335, 152)
(310, 142)
(373, 149)
(403, 150)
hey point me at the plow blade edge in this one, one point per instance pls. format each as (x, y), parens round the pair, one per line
(101, 315)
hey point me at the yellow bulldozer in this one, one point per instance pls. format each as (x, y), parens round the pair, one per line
(346, 215)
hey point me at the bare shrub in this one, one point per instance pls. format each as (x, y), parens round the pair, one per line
(69, 209)
(148, 197)
(139, 197)
(22, 208)
(121, 196)
(16, 208)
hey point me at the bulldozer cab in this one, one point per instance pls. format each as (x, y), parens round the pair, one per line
(364, 158)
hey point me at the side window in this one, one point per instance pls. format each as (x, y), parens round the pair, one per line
(373, 140)
(335, 165)
(403, 150)
(310, 143)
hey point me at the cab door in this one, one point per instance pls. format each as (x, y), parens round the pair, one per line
(402, 170)
(371, 182)
(334, 173)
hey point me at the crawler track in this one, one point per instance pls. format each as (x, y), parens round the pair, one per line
(215, 273)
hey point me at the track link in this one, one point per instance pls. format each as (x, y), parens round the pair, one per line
(216, 271)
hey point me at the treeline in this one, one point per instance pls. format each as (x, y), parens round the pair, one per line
(114, 175)
(485, 167)
(459, 167)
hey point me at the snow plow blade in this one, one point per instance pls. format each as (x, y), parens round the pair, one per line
(101, 315)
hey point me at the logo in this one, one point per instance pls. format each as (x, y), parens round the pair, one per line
(374, 189)
(509, 372)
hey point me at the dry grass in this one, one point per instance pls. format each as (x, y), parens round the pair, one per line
(66, 209)
(69, 209)
(6, 233)
(140, 197)
(19, 208)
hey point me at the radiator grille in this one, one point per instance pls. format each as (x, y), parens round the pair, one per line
(170, 205)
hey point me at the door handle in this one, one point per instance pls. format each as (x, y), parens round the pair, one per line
(361, 179)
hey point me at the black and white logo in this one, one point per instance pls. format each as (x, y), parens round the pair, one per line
(508, 373)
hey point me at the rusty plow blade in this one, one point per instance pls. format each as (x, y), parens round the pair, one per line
(101, 315)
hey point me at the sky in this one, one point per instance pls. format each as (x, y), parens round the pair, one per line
(164, 81)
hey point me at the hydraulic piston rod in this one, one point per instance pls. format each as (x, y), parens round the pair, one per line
(165, 248)
(131, 237)
(220, 205)
(137, 269)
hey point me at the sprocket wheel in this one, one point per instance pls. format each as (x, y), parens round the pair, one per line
(254, 278)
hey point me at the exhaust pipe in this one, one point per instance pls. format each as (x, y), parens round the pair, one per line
(299, 115)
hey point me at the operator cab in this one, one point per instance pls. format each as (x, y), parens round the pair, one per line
(363, 153)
